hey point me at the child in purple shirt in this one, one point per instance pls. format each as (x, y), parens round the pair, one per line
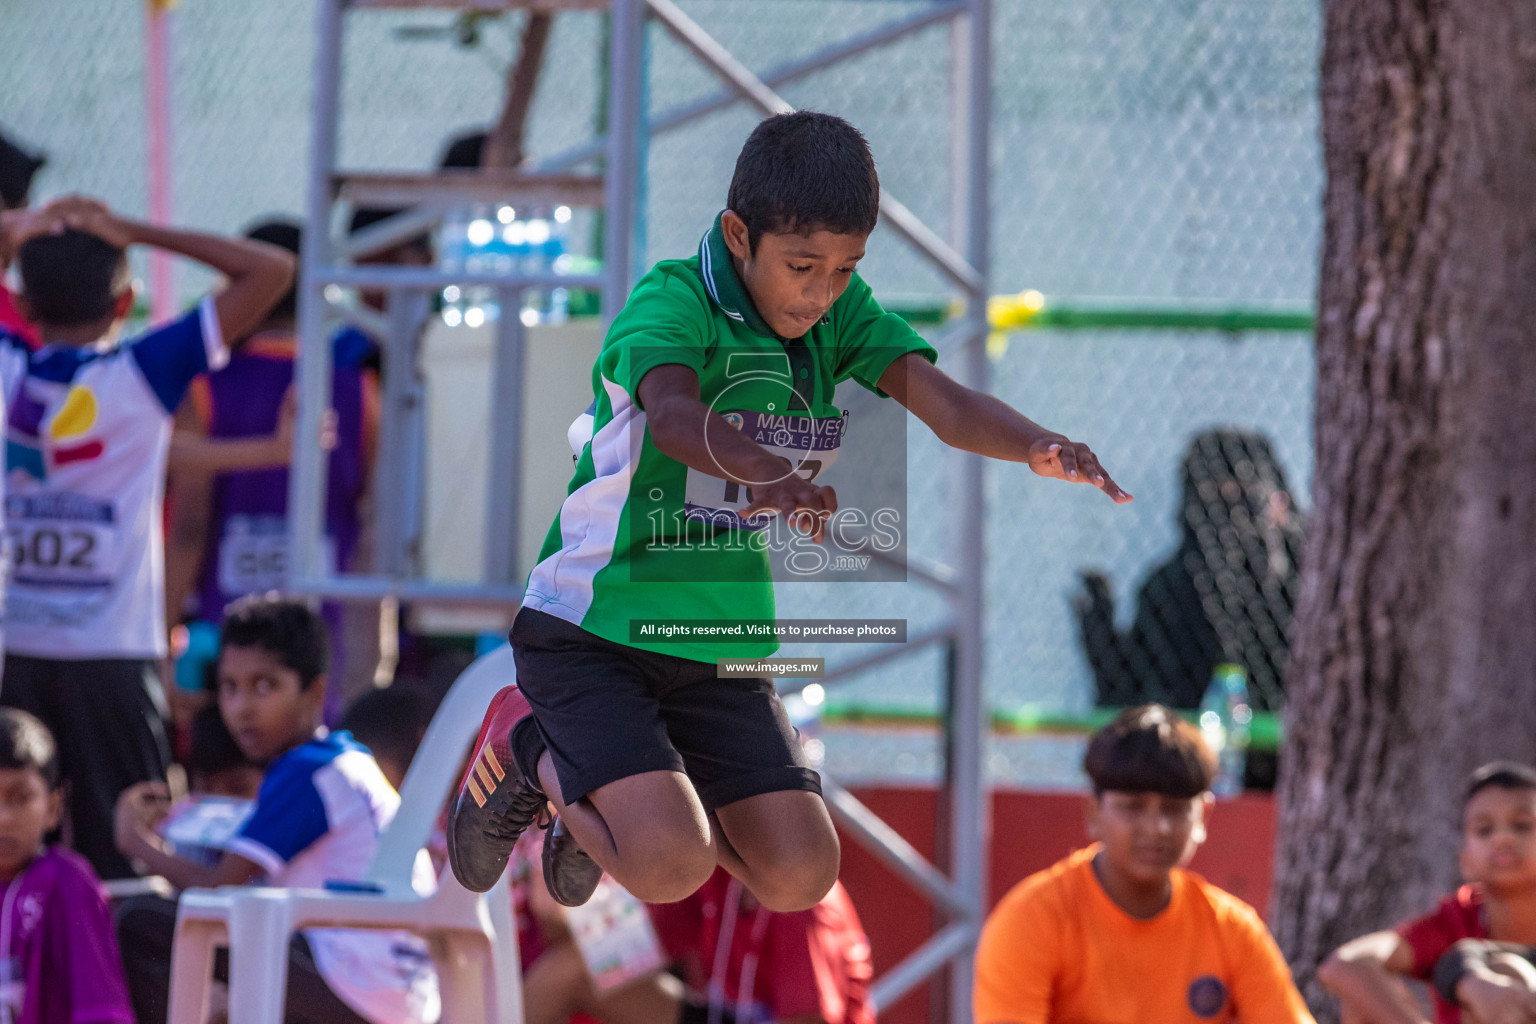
(59, 962)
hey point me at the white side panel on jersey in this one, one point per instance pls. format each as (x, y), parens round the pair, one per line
(561, 584)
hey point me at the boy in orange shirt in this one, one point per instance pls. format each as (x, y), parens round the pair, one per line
(1120, 932)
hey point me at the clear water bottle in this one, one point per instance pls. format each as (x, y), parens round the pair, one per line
(545, 237)
(485, 257)
(452, 248)
(480, 238)
(1225, 718)
(558, 260)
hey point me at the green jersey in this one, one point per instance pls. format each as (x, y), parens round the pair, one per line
(642, 536)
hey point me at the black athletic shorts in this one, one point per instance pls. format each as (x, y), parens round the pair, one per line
(108, 717)
(608, 711)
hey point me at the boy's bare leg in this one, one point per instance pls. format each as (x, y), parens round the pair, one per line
(782, 846)
(648, 831)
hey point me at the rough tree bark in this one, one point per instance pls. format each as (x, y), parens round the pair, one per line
(1415, 640)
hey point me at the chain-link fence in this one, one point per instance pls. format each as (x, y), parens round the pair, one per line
(1163, 151)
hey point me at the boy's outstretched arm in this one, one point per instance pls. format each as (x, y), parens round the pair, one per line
(258, 274)
(684, 428)
(977, 422)
(139, 808)
(1366, 974)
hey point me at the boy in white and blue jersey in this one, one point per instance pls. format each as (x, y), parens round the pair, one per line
(87, 436)
(322, 804)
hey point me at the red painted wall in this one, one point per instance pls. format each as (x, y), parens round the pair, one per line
(1030, 831)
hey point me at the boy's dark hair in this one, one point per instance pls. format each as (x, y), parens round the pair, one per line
(464, 152)
(1498, 775)
(26, 743)
(72, 277)
(282, 626)
(388, 721)
(17, 167)
(212, 748)
(285, 234)
(802, 172)
(1150, 749)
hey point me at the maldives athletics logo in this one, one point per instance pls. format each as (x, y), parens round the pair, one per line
(772, 399)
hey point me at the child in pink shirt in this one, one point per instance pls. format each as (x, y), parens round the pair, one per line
(59, 962)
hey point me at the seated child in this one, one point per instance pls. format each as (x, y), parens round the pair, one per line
(223, 785)
(741, 963)
(60, 957)
(1121, 931)
(744, 963)
(318, 815)
(390, 722)
(1498, 901)
(216, 766)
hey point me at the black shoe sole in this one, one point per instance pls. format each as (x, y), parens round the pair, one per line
(577, 878)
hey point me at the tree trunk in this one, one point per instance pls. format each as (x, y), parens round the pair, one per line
(1414, 656)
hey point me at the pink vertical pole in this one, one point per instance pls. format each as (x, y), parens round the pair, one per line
(157, 102)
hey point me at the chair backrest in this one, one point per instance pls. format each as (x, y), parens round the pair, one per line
(434, 771)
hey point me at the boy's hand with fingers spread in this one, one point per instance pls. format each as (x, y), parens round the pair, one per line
(1055, 455)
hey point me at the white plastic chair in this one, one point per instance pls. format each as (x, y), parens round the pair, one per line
(472, 939)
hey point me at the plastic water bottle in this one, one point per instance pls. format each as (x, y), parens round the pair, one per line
(485, 257)
(453, 257)
(481, 238)
(1225, 717)
(545, 238)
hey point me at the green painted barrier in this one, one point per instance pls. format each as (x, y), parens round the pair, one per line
(1264, 732)
(1030, 310)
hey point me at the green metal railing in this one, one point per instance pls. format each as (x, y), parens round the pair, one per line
(1031, 310)
(1264, 732)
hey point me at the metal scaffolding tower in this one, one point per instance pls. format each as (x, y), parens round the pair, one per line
(959, 894)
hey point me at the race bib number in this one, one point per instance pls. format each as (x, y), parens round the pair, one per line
(253, 555)
(65, 541)
(810, 443)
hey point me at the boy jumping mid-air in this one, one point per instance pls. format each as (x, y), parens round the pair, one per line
(658, 769)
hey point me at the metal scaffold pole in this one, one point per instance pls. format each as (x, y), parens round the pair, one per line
(970, 820)
(626, 66)
(306, 521)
